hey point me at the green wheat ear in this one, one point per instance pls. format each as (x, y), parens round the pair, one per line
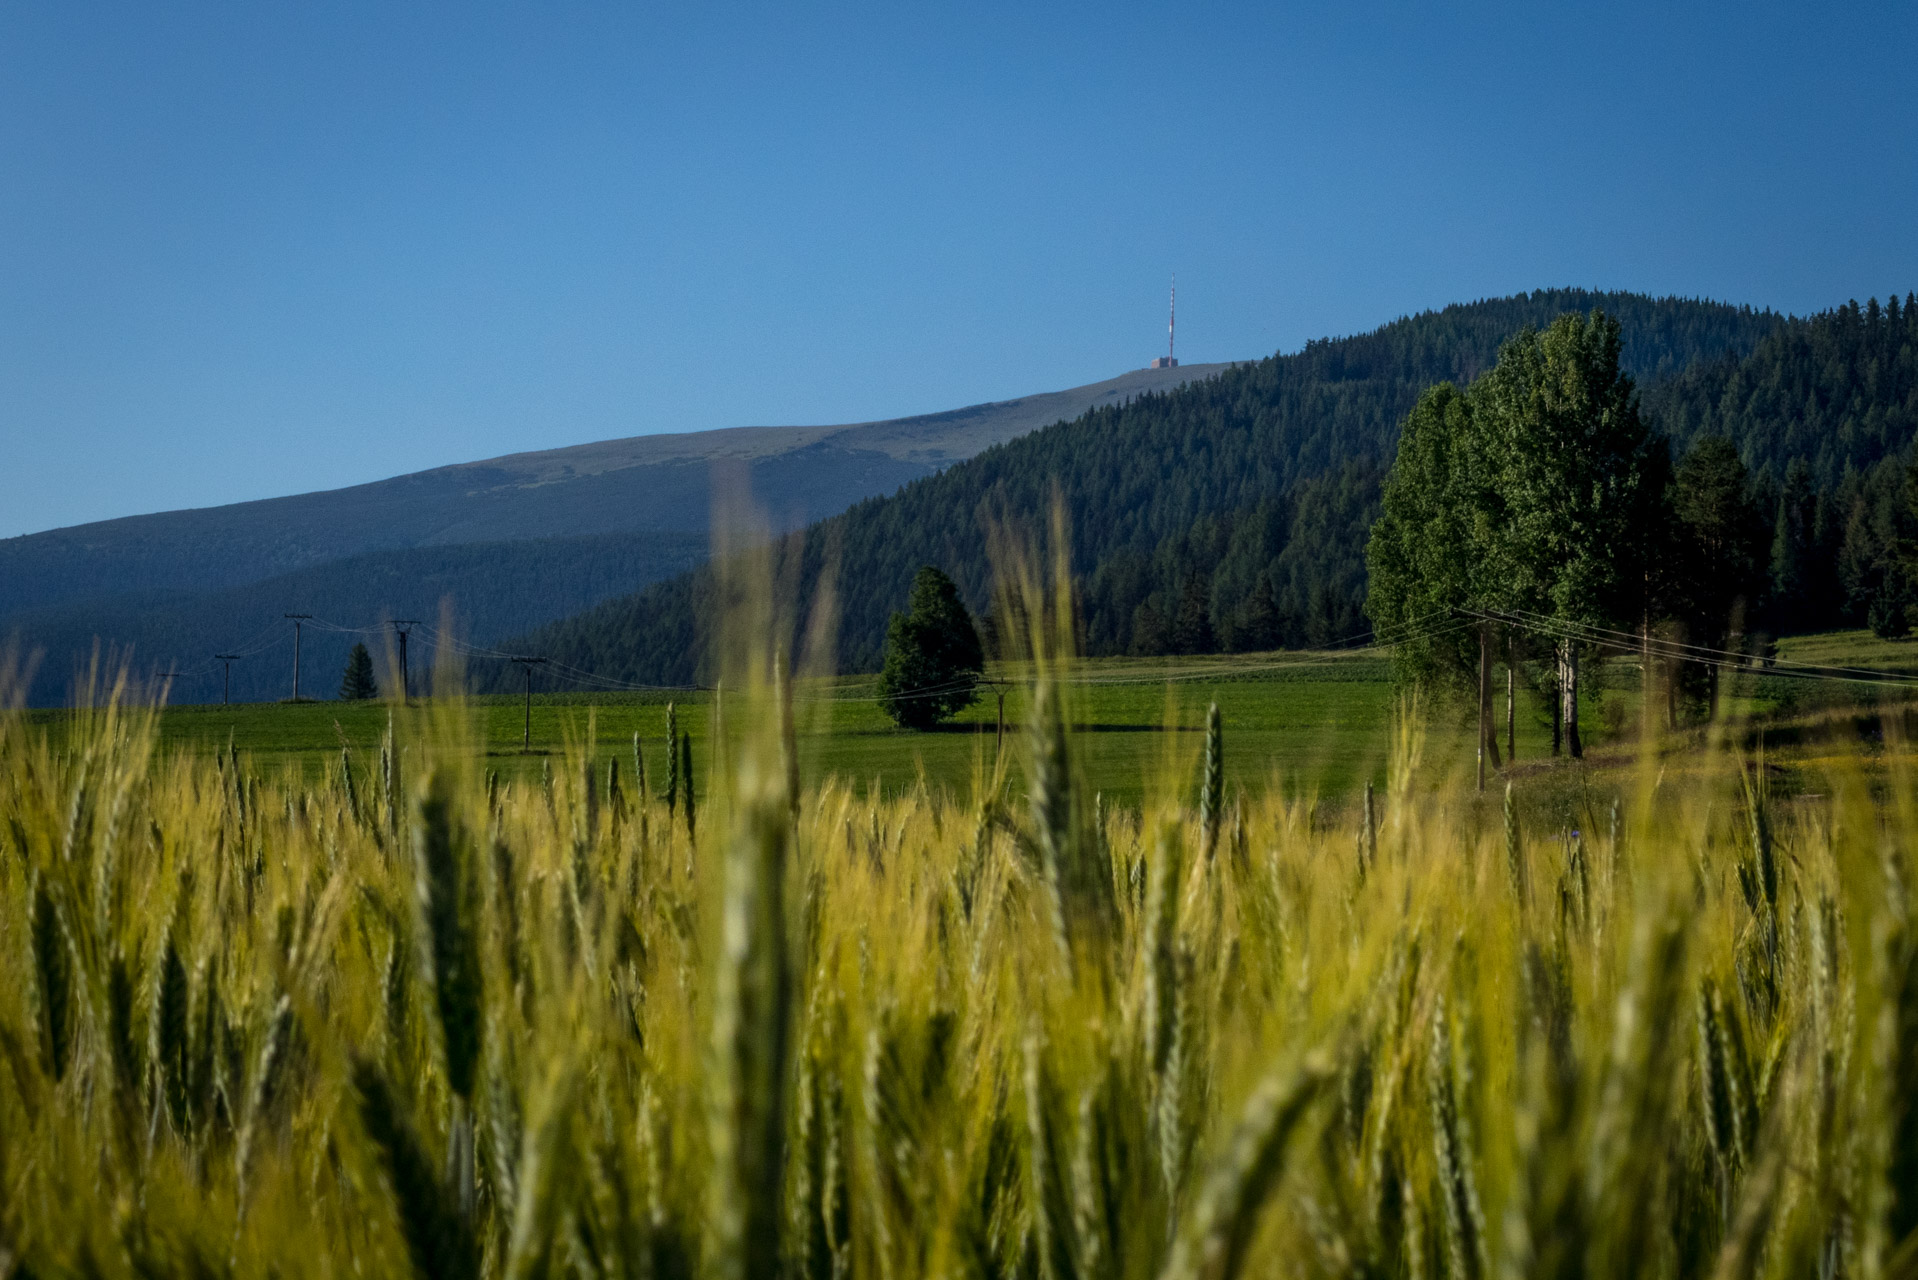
(1212, 786)
(171, 1034)
(686, 780)
(672, 762)
(1160, 948)
(1232, 1200)
(1514, 851)
(1368, 841)
(53, 974)
(448, 890)
(438, 1242)
(123, 1048)
(751, 1030)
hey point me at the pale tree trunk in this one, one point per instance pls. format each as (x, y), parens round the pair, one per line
(1573, 747)
(1511, 697)
(1645, 681)
(1487, 733)
(1558, 697)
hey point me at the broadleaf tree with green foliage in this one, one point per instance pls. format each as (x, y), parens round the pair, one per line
(933, 655)
(1429, 547)
(357, 683)
(1531, 491)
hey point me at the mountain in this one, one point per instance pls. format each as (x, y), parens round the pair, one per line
(1226, 513)
(643, 484)
(512, 541)
(491, 588)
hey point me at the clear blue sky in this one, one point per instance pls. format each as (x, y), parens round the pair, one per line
(256, 249)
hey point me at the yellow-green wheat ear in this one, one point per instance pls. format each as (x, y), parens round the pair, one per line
(1212, 784)
(686, 781)
(1218, 1234)
(53, 982)
(1514, 849)
(439, 1242)
(672, 763)
(448, 892)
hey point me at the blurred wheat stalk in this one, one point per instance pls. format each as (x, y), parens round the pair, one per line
(418, 1019)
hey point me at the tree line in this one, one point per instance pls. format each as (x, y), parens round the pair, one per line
(1226, 514)
(1543, 491)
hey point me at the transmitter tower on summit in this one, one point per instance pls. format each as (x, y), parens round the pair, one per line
(1169, 360)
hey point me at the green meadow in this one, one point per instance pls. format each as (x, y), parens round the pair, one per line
(1316, 722)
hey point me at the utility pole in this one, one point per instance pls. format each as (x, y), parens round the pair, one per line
(527, 664)
(402, 629)
(297, 618)
(1484, 699)
(226, 688)
(999, 743)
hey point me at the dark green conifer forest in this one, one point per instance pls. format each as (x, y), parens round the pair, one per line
(1233, 514)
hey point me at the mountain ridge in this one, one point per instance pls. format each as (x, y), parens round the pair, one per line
(629, 485)
(511, 541)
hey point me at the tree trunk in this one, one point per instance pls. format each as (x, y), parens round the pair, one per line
(1511, 697)
(1573, 746)
(1558, 697)
(1487, 733)
(1645, 682)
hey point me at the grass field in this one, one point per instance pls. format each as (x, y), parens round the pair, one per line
(1316, 722)
(1319, 720)
(259, 1017)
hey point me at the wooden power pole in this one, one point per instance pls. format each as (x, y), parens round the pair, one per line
(226, 687)
(527, 664)
(298, 618)
(402, 627)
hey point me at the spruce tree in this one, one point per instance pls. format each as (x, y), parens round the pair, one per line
(1259, 628)
(933, 655)
(1192, 629)
(1791, 546)
(357, 683)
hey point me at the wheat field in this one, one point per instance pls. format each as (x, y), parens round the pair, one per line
(417, 1020)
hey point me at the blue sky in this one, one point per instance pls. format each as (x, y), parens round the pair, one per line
(256, 249)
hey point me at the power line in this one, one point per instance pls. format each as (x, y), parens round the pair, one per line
(1724, 659)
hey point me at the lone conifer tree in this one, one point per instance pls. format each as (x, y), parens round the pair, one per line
(933, 655)
(357, 684)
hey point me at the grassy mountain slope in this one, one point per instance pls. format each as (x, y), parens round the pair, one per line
(598, 520)
(1180, 503)
(659, 483)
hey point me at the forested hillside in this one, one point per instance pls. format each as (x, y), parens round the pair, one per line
(1823, 414)
(1227, 514)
